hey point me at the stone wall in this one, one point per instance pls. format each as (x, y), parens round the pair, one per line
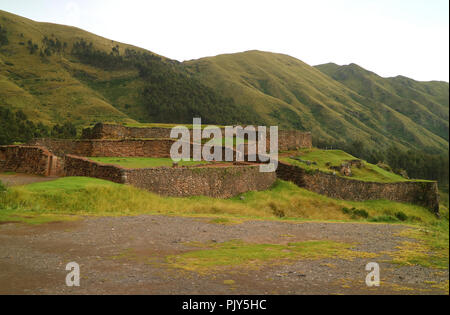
(287, 139)
(218, 182)
(107, 131)
(158, 148)
(422, 193)
(293, 139)
(78, 166)
(30, 160)
(62, 147)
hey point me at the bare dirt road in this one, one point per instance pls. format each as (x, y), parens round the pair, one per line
(128, 255)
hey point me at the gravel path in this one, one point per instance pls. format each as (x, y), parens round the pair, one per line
(127, 255)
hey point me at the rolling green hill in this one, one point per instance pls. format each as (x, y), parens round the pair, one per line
(425, 103)
(59, 74)
(47, 88)
(287, 91)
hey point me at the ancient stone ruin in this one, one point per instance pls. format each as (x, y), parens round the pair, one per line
(52, 157)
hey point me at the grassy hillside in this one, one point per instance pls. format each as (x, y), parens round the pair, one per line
(425, 103)
(56, 73)
(46, 88)
(325, 159)
(287, 91)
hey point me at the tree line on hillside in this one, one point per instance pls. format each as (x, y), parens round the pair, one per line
(3, 36)
(15, 127)
(170, 94)
(88, 54)
(415, 163)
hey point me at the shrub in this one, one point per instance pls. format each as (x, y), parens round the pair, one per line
(277, 212)
(346, 211)
(385, 166)
(415, 218)
(384, 218)
(401, 216)
(356, 213)
(402, 173)
(361, 213)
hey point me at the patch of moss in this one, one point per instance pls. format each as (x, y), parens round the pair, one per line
(238, 253)
(429, 248)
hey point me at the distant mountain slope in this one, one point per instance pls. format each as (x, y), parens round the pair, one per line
(46, 87)
(57, 73)
(288, 92)
(426, 103)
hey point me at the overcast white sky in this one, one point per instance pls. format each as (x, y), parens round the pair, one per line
(389, 37)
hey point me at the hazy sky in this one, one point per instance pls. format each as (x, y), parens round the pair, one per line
(389, 37)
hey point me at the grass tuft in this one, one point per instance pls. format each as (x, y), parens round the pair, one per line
(254, 256)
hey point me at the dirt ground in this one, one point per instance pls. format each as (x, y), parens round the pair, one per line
(127, 255)
(17, 179)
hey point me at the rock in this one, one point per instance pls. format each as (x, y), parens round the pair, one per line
(346, 170)
(355, 163)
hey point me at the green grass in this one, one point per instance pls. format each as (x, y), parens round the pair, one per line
(223, 140)
(136, 162)
(80, 196)
(237, 253)
(11, 216)
(68, 185)
(369, 172)
(430, 247)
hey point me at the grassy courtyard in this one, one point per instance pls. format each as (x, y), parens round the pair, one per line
(141, 162)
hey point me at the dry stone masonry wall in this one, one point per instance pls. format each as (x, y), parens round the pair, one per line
(78, 166)
(30, 160)
(287, 139)
(423, 193)
(218, 182)
(159, 148)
